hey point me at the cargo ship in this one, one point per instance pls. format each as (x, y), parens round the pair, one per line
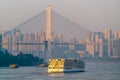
(66, 65)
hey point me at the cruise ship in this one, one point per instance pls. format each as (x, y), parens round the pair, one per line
(65, 65)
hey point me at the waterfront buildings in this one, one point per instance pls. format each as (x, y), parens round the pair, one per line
(116, 44)
(0, 40)
(96, 45)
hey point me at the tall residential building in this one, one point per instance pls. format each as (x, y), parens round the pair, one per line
(119, 34)
(89, 36)
(36, 36)
(16, 38)
(36, 48)
(116, 44)
(98, 41)
(90, 44)
(14, 48)
(116, 34)
(116, 48)
(0, 40)
(29, 47)
(72, 41)
(6, 40)
(107, 33)
(108, 38)
(42, 39)
(25, 40)
(101, 50)
(60, 39)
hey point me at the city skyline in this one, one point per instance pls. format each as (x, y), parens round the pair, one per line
(93, 15)
(96, 45)
(103, 44)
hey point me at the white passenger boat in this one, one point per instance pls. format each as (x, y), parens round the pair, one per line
(65, 65)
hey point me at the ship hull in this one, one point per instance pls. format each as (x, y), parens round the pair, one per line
(65, 70)
(73, 70)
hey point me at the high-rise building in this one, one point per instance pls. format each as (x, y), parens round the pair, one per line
(119, 34)
(16, 38)
(101, 50)
(29, 47)
(60, 39)
(116, 48)
(90, 44)
(0, 40)
(72, 40)
(42, 39)
(25, 40)
(107, 33)
(116, 34)
(108, 39)
(14, 48)
(89, 36)
(36, 36)
(116, 44)
(98, 41)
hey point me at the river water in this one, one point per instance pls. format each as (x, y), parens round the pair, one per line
(94, 71)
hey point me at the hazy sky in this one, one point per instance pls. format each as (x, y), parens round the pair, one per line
(92, 14)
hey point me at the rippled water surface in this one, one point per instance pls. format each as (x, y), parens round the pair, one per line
(94, 71)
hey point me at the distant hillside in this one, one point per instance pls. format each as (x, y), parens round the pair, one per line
(60, 25)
